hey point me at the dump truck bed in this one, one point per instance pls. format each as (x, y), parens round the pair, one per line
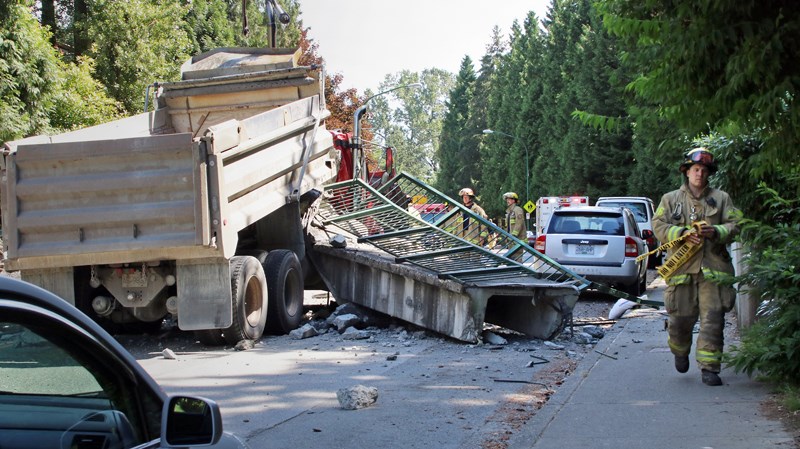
(223, 150)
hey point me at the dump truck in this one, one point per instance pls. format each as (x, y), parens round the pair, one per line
(195, 209)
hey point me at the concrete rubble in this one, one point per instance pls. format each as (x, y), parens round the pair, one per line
(357, 397)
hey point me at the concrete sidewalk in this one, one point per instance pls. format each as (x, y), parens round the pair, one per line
(638, 400)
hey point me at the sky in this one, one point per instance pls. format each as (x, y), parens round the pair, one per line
(366, 39)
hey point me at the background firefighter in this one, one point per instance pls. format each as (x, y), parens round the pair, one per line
(693, 290)
(462, 225)
(515, 220)
(515, 217)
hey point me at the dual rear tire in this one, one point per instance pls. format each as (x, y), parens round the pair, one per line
(267, 294)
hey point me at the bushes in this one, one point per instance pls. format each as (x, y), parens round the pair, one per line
(771, 347)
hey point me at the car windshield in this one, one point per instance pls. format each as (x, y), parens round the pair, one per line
(587, 223)
(30, 364)
(638, 209)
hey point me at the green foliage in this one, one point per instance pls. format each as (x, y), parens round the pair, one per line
(771, 347)
(208, 26)
(706, 65)
(131, 57)
(28, 72)
(480, 109)
(791, 397)
(458, 145)
(81, 100)
(412, 122)
(515, 116)
(580, 71)
(259, 34)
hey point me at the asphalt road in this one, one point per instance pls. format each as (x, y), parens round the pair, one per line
(432, 391)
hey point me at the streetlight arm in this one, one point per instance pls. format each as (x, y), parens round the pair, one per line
(357, 128)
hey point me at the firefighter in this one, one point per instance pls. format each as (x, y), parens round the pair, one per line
(464, 226)
(515, 217)
(693, 290)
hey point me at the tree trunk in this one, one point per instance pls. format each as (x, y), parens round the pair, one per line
(80, 22)
(49, 18)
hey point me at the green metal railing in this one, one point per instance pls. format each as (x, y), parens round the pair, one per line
(419, 225)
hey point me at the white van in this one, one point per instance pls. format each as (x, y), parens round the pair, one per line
(643, 210)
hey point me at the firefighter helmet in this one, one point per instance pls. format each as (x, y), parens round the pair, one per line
(466, 191)
(699, 155)
(511, 195)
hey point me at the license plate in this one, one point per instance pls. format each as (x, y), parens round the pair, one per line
(584, 250)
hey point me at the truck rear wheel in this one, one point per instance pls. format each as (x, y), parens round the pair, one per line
(248, 292)
(285, 286)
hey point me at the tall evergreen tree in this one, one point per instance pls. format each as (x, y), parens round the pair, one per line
(581, 71)
(600, 160)
(498, 168)
(458, 151)
(529, 122)
(480, 110)
(514, 118)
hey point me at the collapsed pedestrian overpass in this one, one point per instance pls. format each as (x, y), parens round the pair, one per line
(419, 270)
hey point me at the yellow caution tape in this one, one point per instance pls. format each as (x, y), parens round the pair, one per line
(673, 243)
(664, 247)
(680, 257)
(683, 254)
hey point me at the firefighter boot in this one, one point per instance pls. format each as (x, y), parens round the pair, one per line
(711, 378)
(682, 363)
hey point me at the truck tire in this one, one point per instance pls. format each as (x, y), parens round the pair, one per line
(249, 298)
(285, 286)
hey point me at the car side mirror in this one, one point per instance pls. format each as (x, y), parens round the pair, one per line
(647, 234)
(190, 421)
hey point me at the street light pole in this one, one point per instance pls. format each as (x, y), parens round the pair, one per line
(527, 161)
(357, 158)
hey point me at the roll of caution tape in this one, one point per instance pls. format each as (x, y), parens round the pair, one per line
(683, 254)
(673, 243)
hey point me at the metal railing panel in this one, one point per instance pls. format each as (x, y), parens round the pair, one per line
(417, 224)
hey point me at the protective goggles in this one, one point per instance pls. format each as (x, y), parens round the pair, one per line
(701, 157)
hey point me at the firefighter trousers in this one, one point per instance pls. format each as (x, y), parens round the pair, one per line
(697, 297)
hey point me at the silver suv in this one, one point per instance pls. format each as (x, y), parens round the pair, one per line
(643, 211)
(599, 243)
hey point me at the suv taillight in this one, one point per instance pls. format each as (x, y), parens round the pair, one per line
(539, 245)
(630, 247)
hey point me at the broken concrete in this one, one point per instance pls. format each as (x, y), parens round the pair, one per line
(357, 397)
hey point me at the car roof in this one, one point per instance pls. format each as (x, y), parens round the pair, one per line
(625, 198)
(590, 209)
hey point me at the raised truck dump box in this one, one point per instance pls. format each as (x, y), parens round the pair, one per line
(181, 209)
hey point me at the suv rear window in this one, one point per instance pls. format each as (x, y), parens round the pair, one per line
(587, 223)
(638, 209)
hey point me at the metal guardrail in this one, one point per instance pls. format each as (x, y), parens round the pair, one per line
(417, 224)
